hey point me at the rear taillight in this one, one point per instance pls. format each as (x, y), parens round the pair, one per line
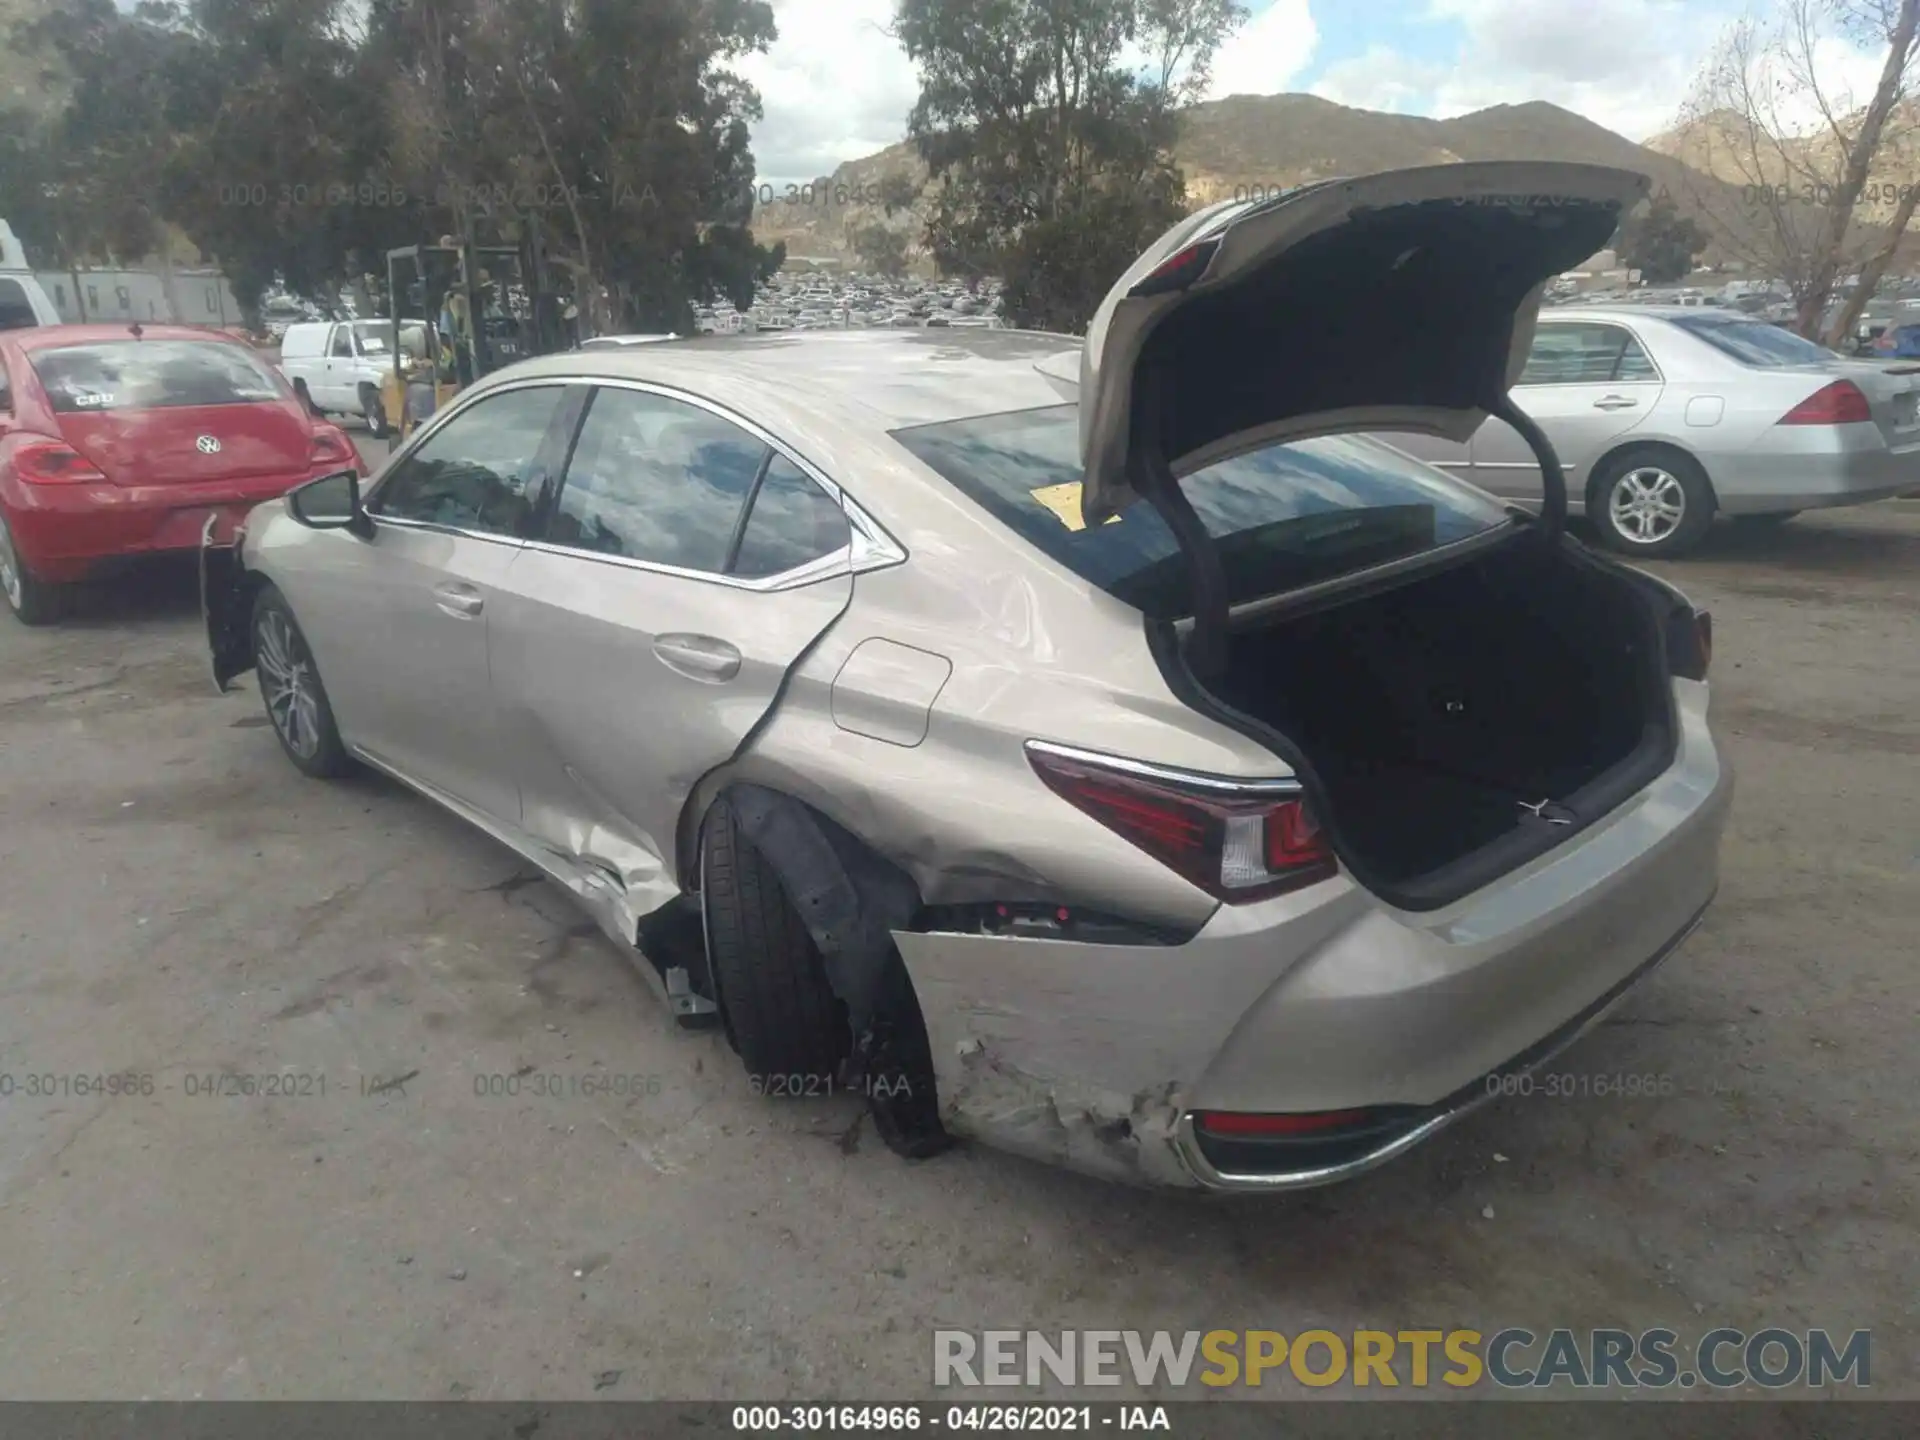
(1689, 642)
(1236, 842)
(53, 462)
(1253, 1126)
(330, 447)
(1178, 270)
(1841, 403)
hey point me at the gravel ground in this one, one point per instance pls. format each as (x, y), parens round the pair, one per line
(178, 902)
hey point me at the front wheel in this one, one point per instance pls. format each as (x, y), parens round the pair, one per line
(374, 410)
(290, 688)
(32, 600)
(1650, 503)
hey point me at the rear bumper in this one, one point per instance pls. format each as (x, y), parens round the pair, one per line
(65, 532)
(1098, 1057)
(1812, 468)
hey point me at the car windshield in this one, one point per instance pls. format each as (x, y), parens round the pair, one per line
(1754, 342)
(1285, 516)
(152, 375)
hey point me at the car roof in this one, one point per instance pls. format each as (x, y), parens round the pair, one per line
(896, 378)
(49, 337)
(1656, 312)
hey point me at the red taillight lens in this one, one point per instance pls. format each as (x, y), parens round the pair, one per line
(53, 462)
(1312, 1122)
(1237, 844)
(1841, 403)
(1178, 270)
(330, 447)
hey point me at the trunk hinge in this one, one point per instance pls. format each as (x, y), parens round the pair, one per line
(1152, 477)
(1553, 480)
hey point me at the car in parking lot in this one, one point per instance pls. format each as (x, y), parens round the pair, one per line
(1168, 782)
(119, 441)
(344, 368)
(1665, 416)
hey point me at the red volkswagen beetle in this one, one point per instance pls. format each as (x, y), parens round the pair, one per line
(120, 440)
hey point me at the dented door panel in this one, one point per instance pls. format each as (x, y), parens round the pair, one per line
(611, 709)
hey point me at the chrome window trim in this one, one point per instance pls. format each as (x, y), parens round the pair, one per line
(870, 548)
(432, 527)
(1168, 774)
(1658, 378)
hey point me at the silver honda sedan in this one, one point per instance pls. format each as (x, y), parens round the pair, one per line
(1666, 416)
(1094, 748)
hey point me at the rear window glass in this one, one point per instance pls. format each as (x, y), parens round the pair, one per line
(1754, 342)
(376, 337)
(1285, 516)
(152, 375)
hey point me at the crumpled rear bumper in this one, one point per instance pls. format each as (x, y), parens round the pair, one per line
(1097, 1057)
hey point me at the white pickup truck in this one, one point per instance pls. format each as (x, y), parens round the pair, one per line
(340, 368)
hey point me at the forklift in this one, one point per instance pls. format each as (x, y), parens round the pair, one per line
(482, 308)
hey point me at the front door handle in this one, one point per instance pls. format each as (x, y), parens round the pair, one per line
(459, 600)
(698, 657)
(1614, 402)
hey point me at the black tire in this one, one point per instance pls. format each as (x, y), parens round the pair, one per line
(32, 600)
(781, 1015)
(1772, 520)
(306, 398)
(373, 411)
(1653, 471)
(314, 745)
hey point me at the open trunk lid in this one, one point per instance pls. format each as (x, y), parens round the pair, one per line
(1399, 301)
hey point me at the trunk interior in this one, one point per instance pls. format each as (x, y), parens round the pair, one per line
(1432, 713)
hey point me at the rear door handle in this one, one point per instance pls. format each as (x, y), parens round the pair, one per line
(698, 657)
(459, 599)
(1614, 402)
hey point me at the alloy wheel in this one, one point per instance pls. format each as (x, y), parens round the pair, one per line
(288, 683)
(10, 582)
(1647, 505)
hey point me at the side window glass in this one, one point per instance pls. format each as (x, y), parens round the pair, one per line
(1573, 355)
(793, 521)
(16, 311)
(342, 341)
(655, 479)
(476, 472)
(1635, 363)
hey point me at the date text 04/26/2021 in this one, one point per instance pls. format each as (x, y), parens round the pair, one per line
(899, 1419)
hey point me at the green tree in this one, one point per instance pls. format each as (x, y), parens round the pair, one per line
(1662, 243)
(1049, 145)
(880, 248)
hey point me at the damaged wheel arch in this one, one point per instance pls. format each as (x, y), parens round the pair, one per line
(809, 976)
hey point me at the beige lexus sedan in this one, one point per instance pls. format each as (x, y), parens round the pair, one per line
(1096, 748)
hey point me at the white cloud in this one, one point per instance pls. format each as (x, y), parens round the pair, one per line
(835, 86)
(1383, 79)
(1267, 53)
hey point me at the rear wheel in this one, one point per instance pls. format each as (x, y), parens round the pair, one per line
(1651, 503)
(375, 411)
(781, 1015)
(290, 688)
(32, 600)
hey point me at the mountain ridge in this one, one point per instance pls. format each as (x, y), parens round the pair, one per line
(1251, 143)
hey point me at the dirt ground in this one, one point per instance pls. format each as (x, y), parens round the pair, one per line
(176, 901)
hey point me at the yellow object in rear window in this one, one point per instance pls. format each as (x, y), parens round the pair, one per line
(1064, 502)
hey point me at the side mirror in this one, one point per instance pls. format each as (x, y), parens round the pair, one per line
(331, 503)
